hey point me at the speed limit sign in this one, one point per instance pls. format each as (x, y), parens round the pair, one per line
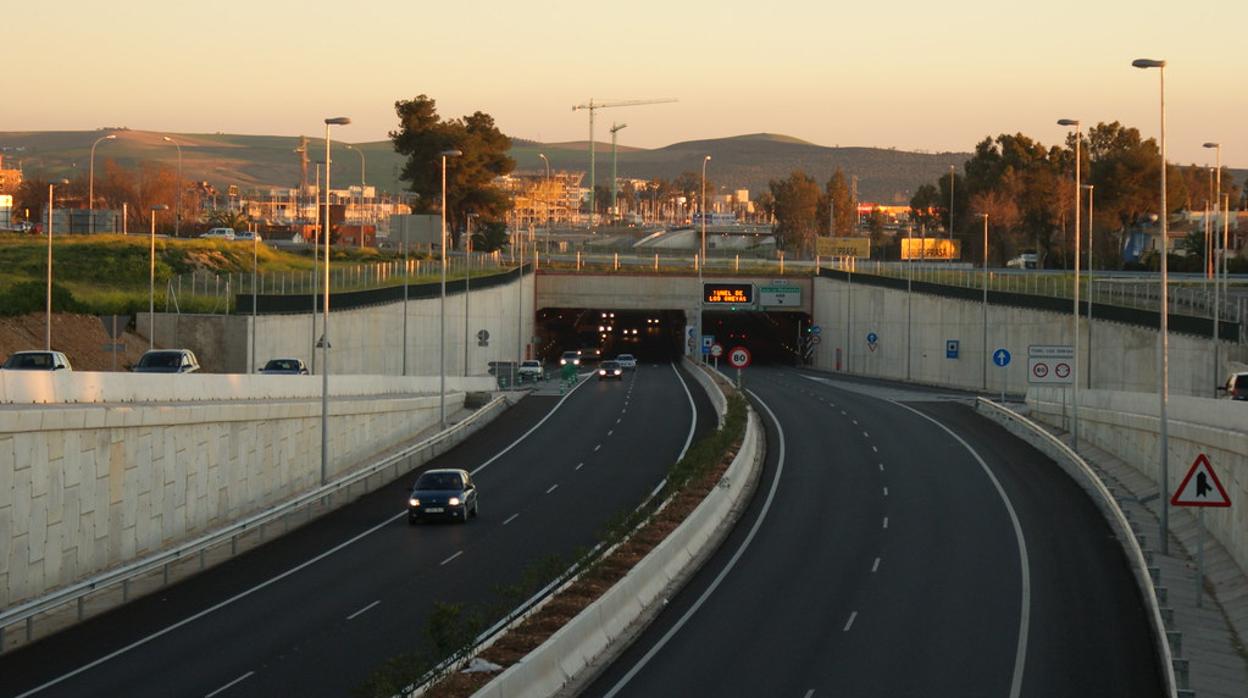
(717, 350)
(739, 357)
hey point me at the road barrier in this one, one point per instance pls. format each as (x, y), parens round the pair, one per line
(1086, 478)
(625, 608)
(703, 375)
(388, 467)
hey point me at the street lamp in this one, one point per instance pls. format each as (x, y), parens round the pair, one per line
(177, 219)
(545, 200)
(1217, 147)
(984, 308)
(91, 183)
(334, 121)
(702, 259)
(1091, 287)
(442, 308)
(952, 170)
(1074, 322)
(48, 338)
(702, 203)
(1163, 480)
(362, 185)
(151, 282)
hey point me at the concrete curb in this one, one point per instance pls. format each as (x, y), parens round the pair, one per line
(570, 657)
(702, 374)
(1086, 478)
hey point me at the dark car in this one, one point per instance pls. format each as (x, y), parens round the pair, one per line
(285, 367)
(610, 370)
(445, 493)
(37, 361)
(1236, 386)
(167, 361)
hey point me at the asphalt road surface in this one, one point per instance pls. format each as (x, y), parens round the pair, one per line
(314, 612)
(899, 550)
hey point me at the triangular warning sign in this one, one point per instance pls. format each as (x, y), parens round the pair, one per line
(1201, 487)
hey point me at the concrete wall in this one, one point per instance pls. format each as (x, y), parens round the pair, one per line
(86, 487)
(1123, 357)
(364, 340)
(1127, 425)
(625, 291)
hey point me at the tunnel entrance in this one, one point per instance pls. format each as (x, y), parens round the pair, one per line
(649, 335)
(771, 337)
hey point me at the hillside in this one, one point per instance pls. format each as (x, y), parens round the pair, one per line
(746, 161)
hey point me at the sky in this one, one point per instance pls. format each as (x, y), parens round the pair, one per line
(910, 75)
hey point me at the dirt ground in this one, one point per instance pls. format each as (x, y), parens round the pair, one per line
(81, 337)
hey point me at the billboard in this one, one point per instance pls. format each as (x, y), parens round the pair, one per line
(930, 248)
(843, 247)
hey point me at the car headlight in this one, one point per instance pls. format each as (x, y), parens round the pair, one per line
(617, 371)
(602, 372)
(453, 501)
(576, 362)
(413, 502)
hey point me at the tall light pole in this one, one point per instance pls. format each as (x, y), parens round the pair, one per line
(442, 307)
(151, 281)
(1074, 321)
(48, 338)
(984, 306)
(702, 260)
(952, 180)
(362, 185)
(615, 128)
(1217, 147)
(177, 219)
(334, 121)
(702, 204)
(1091, 295)
(91, 183)
(1163, 478)
(545, 199)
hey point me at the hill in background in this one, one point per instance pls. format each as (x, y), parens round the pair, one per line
(740, 162)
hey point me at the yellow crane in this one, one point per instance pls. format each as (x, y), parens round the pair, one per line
(593, 106)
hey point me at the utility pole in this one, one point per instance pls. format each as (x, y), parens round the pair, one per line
(614, 130)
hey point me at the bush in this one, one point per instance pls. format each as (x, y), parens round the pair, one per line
(32, 297)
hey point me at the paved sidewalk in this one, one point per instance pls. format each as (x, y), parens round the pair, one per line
(1212, 636)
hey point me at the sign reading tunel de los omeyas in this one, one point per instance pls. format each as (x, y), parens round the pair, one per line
(728, 294)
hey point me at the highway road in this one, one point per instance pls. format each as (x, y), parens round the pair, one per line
(314, 612)
(898, 549)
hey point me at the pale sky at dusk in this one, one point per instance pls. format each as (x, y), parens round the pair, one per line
(911, 75)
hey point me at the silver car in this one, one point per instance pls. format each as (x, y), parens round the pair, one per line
(37, 361)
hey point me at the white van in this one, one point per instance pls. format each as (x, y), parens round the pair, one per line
(219, 234)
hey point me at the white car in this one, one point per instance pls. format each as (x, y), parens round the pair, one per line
(219, 234)
(627, 361)
(248, 236)
(532, 370)
(37, 361)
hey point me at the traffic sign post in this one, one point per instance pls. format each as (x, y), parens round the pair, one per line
(1001, 357)
(717, 350)
(872, 339)
(739, 358)
(1200, 488)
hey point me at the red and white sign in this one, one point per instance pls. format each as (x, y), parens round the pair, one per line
(717, 350)
(739, 357)
(1201, 487)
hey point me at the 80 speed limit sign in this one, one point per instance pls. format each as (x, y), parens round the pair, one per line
(739, 357)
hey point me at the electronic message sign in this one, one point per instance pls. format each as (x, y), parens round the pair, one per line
(728, 294)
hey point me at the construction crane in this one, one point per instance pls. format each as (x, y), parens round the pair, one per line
(615, 128)
(593, 106)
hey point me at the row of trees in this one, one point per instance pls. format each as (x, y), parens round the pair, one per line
(138, 189)
(803, 210)
(1027, 191)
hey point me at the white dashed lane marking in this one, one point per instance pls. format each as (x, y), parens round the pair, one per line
(876, 565)
(552, 488)
(239, 679)
(363, 610)
(850, 623)
(510, 519)
(457, 554)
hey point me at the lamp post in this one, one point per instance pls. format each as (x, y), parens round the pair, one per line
(1163, 478)
(334, 121)
(467, 285)
(91, 184)
(1091, 295)
(48, 318)
(702, 259)
(442, 307)
(984, 306)
(952, 170)
(545, 199)
(1074, 322)
(151, 281)
(177, 220)
(1217, 147)
(362, 185)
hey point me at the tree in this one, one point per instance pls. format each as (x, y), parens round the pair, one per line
(490, 236)
(924, 207)
(837, 202)
(225, 218)
(796, 204)
(423, 135)
(689, 185)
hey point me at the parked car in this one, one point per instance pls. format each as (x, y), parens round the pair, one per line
(219, 234)
(37, 361)
(626, 361)
(248, 236)
(1026, 260)
(610, 370)
(167, 361)
(285, 367)
(1236, 387)
(532, 370)
(443, 493)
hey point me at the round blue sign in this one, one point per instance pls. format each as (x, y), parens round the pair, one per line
(1001, 357)
(872, 338)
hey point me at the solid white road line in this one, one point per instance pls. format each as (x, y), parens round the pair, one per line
(244, 677)
(1024, 621)
(875, 565)
(850, 623)
(771, 495)
(553, 488)
(451, 558)
(509, 519)
(363, 610)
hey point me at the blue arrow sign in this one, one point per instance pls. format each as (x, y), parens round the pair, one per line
(816, 330)
(872, 337)
(1001, 357)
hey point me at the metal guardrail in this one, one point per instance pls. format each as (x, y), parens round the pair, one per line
(77, 593)
(1087, 479)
